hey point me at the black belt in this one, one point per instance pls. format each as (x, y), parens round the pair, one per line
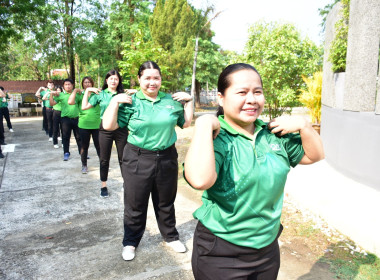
(142, 151)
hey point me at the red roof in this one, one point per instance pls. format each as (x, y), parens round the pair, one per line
(26, 86)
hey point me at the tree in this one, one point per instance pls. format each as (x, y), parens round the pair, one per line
(210, 62)
(15, 17)
(173, 27)
(281, 56)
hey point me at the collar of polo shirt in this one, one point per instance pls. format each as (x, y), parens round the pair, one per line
(140, 95)
(259, 124)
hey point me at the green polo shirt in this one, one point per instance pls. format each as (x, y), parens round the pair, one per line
(102, 99)
(90, 118)
(4, 104)
(245, 203)
(151, 124)
(46, 102)
(67, 110)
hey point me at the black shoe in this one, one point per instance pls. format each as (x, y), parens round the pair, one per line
(3, 143)
(1, 155)
(104, 192)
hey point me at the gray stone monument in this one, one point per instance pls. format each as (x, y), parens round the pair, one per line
(350, 125)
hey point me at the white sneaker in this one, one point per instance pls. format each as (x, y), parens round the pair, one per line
(59, 139)
(56, 146)
(11, 130)
(50, 139)
(128, 253)
(177, 246)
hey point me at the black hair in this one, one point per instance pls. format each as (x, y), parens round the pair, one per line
(69, 80)
(88, 78)
(224, 80)
(148, 65)
(119, 88)
(59, 87)
(1, 88)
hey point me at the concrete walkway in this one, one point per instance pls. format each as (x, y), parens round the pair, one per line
(54, 225)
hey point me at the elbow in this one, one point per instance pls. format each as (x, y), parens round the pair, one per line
(199, 182)
(186, 124)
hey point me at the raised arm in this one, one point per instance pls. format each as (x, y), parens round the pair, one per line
(110, 115)
(188, 107)
(311, 141)
(2, 94)
(72, 96)
(51, 98)
(38, 92)
(200, 159)
(85, 104)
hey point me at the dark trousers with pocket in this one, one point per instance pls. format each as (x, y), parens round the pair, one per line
(106, 139)
(68, 125)
(85, 136)
(149, 172)
(57, 127)
(215, 258)
(2, 137)
(44, 120)
(49, 119)
(5, 114)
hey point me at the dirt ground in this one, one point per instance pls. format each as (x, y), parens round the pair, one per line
(53, 225)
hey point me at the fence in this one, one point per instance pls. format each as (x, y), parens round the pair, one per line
(208, 97)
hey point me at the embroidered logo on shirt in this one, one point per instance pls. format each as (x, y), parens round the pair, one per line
(170, 107)
(275, 147)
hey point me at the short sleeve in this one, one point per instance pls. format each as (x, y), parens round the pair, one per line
(94, 100)
(220, 152)
(124, 114)
(78, 99)
(181, 114)
(293, 146)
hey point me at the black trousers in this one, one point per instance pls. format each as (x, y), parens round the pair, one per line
(5, 114)
(106, 139)
(44, 120)
(216, 258)
(145, 172)
(68, 125)
(57, 127)
(2, 137)
(85, 136)
(49, 119)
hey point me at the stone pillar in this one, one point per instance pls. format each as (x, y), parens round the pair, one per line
(362, 56)
(328, 86)
(350, 124)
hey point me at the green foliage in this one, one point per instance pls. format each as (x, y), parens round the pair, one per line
(281, 56)
(338, 49)
(15, 17)
(173, 26)
(311, 98)
(210, 63)
(348, 263)
(324, 12)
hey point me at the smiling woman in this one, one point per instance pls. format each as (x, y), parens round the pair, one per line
(242, 166)
(150, 157)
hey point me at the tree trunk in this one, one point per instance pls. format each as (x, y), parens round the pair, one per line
(197, 94)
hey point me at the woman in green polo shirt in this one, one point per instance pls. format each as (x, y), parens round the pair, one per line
(89, 122)
(94, 97)
(150, 157)
(242, 167)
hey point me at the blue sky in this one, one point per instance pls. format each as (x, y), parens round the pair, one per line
(231, 26)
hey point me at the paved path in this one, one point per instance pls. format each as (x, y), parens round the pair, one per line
(54, 225)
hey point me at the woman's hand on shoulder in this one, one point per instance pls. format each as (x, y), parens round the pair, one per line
(93, 89)
(287, 124)
(130, 91)
(122, 98)
(182, 96)
(209, 121)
